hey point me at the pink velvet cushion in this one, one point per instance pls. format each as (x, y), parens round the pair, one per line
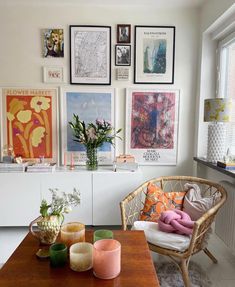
(194, 204)
(175, 221)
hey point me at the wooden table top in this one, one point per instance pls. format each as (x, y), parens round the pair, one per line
(24, 269)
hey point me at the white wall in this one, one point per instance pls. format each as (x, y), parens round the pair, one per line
(21, 49)
(215, 16)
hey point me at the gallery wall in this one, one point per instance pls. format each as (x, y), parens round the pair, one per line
(21, 60)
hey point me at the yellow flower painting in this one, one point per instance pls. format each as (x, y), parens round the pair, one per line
(29, 127)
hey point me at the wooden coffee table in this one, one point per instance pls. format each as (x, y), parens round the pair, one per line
(24, 269)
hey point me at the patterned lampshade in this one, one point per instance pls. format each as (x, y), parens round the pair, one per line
(217, 110)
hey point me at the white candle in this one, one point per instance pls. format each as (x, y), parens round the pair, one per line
(80, 255)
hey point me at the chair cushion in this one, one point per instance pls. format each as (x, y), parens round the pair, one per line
(194, 204)
(157, 201)
(166, 240)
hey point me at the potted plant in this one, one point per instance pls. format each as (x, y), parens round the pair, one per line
(92, 135)
(52, 215)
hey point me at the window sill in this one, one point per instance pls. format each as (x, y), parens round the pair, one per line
(214, 166)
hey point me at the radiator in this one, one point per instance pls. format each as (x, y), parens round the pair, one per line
(225, 219)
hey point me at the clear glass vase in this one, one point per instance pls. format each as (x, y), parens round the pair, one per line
(91, 162)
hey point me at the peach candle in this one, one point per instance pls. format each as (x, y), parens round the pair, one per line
(72, 232)
(107, 258)
(80, 255)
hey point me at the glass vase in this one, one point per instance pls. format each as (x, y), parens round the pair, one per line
(91, 162)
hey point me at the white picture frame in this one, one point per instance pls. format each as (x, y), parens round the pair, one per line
(53, 74)
(89, 104)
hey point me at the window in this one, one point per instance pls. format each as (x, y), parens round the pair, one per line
(226, 80)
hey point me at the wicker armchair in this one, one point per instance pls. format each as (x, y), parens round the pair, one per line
(133, 203)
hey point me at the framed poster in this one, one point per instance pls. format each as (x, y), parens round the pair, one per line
(90, 55)
(89, 104)
(122, 55)
(29, 122)
(53, 43)
(53, 74)
(123, 33)
(154, 55)
(152, 125)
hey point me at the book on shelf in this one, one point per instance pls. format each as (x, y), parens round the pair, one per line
(13, 167)
(42, 167)
(131, 166)
(226, 165)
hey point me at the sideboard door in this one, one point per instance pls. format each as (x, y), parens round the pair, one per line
(19, 198)
(109, 188)
(67, 181)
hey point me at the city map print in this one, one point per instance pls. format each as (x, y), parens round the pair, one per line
(90, 54)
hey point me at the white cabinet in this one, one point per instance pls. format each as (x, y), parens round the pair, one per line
(67, 181)
(101, 192)
(108, 190)
(19, 198)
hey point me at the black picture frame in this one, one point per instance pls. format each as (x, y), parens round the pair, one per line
(123, 33)
(122, 55)
(90, 55)
(154, 54)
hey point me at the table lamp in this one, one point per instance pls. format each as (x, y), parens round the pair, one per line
(218, 112)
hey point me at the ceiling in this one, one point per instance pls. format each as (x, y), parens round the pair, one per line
(155, 3)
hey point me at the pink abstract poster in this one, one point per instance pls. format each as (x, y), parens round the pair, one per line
(152, 120)
(152, 125)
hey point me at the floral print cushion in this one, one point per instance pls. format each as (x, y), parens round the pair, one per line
(157, 201)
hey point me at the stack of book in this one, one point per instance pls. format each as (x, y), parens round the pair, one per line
(226, 165)
(125, 162)
(13, 167)
(42, 167)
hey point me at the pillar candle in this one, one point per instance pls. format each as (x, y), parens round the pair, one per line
(107, 258)
(72, 232)
(80, 255)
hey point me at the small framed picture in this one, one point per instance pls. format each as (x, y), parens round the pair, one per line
(123, 33)
(53, 74)
(123, 55)
(53, 43)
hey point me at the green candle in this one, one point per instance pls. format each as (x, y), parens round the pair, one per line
(102, 234)
(58, 254)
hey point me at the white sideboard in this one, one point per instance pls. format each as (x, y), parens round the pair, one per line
(101, 191)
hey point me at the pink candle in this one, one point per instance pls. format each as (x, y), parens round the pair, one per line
(107, 258)
(65, 159)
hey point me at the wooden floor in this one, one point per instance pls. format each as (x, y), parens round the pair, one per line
(221, 274)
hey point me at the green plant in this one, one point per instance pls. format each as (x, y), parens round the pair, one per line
(60, 204)
(93, 134)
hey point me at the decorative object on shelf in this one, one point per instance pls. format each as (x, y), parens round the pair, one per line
(90, 104)
(154, 54)
(72, 232)
(52, 215)
(53, 74)
(81, 256)
(8, 154)
(153, 139)
(107, 258)
(123, 55)
(122, 74)
(29, 122)
(53, 40)
(90, 50)
(123, 33)
(92, 136)
(218, 112)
